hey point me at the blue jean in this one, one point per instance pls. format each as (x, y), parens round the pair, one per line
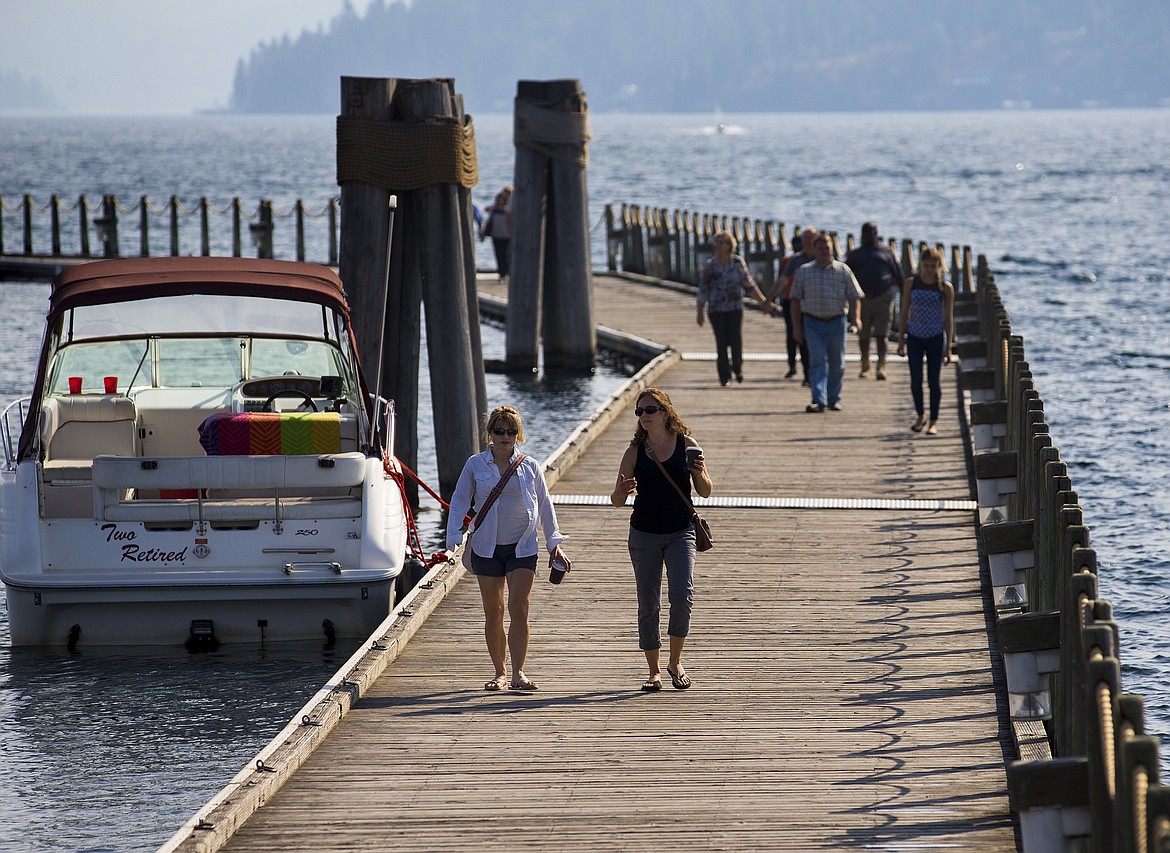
(648, 552)
(932, 349)
(826, 352)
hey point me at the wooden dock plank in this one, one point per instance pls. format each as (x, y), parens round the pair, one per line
(844, 687)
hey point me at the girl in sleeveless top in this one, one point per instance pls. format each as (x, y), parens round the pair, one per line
(927, 329)
(661, 529)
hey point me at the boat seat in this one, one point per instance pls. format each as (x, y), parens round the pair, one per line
(246, 486)
(78, 427)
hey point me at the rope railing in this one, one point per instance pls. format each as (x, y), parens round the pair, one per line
(109, 227)
(1088, 775)
(673, 246)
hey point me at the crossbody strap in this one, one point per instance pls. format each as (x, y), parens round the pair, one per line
(495, 492)
(671, 480)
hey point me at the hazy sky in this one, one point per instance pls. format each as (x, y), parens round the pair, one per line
(153, 57)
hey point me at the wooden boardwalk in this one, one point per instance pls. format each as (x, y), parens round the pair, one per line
(844, 690)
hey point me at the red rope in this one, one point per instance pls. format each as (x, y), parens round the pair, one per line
(413, 540)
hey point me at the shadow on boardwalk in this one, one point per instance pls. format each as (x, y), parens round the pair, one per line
(844, 686)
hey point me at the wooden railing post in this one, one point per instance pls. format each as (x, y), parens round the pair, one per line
(143, 227)
(333, 204)
(205, 228)
(83, 225)
(174, 209)
(237, 248)
(55, 225)
(28, 238)
(300, 229)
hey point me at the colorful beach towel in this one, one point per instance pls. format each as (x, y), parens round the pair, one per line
(271, 433)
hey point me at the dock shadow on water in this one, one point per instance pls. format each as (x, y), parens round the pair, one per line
(111, 748)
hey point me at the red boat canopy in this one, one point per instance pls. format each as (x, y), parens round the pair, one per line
(102, 282)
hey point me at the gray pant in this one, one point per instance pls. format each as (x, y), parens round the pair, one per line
(648, 552)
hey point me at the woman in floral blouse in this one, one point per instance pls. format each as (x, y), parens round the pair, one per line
(726, 280)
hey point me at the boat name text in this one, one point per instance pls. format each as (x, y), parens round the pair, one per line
(132, 553)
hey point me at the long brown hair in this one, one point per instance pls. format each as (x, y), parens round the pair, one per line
(932, 252)
(674, 424)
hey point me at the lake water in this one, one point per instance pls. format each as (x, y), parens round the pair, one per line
(115, 750)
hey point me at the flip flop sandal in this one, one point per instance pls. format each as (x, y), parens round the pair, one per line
(494, 684)
(680, 682)
(526, 684)
(651, 685)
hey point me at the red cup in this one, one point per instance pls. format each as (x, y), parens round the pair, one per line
(111, 384)
(74, 384)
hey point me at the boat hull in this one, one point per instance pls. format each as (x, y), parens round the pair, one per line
(173, 616)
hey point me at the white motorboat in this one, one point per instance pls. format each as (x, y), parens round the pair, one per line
(200, 461)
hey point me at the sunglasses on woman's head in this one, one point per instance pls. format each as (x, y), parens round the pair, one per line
(649, 410)
(505, 432)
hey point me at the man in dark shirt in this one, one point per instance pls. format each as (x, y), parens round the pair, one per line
(880, 277)
(782, 287)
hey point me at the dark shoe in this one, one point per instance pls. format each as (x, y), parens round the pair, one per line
(814, 408)
(804, 384)
(739, 377)
(919, 424)
(835, 407)
(791, 372)
(725, 383)
(680, 682)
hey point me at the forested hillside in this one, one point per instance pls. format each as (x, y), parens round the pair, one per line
(739, 55)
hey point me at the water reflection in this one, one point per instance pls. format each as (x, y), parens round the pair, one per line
(119, 745)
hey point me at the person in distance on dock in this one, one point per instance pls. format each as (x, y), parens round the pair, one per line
(661, 527)
(782, 287)
(880, 276)
(501, 552)
(725, 281)
(823, 295)
(497, 224)
(927, 329)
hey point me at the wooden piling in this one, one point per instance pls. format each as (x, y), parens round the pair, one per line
(550, 285)
(428, 266)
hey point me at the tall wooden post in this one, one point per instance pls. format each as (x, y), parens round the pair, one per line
(381, 152)
(550, 288)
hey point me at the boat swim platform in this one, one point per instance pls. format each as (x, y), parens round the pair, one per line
(846, 692)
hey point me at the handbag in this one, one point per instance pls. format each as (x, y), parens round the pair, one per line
(470, 524)
(703, 540)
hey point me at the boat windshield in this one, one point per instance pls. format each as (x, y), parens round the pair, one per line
(193, 363)
(199, 314)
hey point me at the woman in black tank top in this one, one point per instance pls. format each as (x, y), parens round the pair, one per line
(661, 527)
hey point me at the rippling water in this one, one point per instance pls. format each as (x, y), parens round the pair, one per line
(114, 751)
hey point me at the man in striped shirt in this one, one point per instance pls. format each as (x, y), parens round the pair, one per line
(825, 297)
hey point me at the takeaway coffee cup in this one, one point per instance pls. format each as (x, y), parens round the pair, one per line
(693, 453)
(556, 570)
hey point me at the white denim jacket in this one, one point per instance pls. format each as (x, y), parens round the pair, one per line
(476, 481)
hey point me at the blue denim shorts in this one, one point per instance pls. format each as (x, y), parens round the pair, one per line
(502, 561)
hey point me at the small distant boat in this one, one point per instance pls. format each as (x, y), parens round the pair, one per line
(200, 461)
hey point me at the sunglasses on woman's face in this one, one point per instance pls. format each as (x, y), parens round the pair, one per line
(649, 410)
(504, 432)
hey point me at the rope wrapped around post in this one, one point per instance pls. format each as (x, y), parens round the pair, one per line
(407, 155)
(543, 128)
